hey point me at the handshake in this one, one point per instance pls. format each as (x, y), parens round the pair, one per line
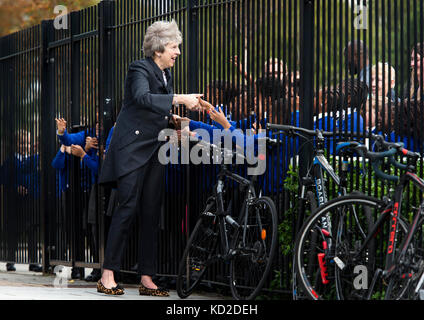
(193, 101)
(203, 105)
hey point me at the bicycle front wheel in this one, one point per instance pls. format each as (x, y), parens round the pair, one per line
(200, 248)
(255, 242)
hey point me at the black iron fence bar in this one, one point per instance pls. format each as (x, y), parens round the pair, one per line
(21, 53)
(48, 191)
(106, 18)
(75, 178)
(306, 80)
(214, 4)
(152, 18)
(75, 38)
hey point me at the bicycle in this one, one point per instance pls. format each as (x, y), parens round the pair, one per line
(351, 247)
(313, 191)
(247, 242)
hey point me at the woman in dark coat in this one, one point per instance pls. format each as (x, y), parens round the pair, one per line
(132, 164)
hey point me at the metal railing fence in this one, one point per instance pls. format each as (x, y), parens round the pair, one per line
(281, 61)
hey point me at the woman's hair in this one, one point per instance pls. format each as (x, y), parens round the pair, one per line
(158, 35)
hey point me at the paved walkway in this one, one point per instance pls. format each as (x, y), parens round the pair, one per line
(25, 285)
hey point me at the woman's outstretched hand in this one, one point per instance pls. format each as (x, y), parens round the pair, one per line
(191, 101)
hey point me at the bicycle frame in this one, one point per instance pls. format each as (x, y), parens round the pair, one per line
(223, 215)
(391, 211)
(315, 178)
(319, 167)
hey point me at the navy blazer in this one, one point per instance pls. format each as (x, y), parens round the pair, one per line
(145, 112)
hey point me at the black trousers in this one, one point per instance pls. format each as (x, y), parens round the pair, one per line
(139, 192)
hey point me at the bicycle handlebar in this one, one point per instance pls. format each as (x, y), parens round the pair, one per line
(293, 131)
(393, 148)
(398, 147)
(231, 153)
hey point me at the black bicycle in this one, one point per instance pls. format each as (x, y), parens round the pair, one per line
(349, 251)
(247, 241)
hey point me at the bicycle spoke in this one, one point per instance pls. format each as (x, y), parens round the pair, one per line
(255, 242)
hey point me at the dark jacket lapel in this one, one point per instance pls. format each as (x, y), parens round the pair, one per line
(157, 71)
(168, 80)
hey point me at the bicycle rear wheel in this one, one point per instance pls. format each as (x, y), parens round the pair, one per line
(335, 233)
(255, 243)
(199, 250)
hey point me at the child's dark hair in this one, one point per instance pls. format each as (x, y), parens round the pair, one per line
(228, 90)
(271, 87)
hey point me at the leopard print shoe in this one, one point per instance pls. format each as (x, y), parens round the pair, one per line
(118, 290)
(159, 292)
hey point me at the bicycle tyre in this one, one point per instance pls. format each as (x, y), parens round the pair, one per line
(311, 199)
(250, 266)
(200, 248)
(371, 255)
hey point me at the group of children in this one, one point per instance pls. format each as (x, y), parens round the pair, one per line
(83, 145)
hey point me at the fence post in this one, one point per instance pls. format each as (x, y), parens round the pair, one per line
(306, 78)
(193, 87)
(47, 131)
(75, 65)
(193, 38)
(106, 48)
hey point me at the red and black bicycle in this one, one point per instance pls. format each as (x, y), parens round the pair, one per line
(362, 261)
